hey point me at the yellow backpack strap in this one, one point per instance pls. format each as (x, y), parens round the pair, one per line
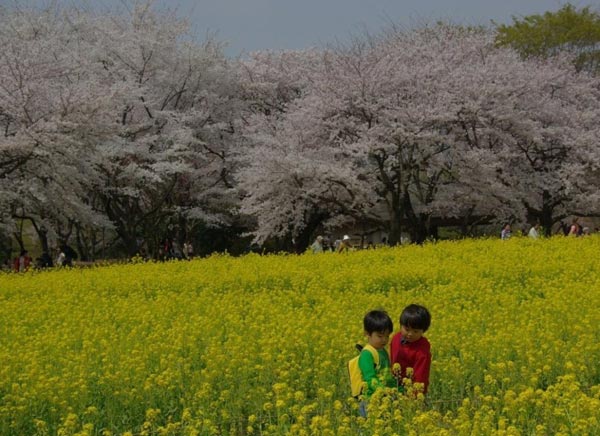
(374, 353)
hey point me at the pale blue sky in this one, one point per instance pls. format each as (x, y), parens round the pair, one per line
(248, 25)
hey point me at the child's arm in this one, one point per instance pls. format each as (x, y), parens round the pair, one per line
(368, 371)
(421, 368)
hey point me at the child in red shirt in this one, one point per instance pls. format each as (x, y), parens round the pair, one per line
(410, 348)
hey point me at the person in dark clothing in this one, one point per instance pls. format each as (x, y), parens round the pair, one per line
(70, 255)
(45, 260)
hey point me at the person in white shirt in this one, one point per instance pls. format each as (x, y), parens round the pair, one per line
(534, 232)
(317, 246)
(61, 258)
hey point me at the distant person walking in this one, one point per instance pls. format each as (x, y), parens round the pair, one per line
(505, 233)
(45, 260)
(534, 231)
(70, 255)
(22, 262)
(317, 246)
(345, 244)
(188, 250)
(575, 229)
(60, 259)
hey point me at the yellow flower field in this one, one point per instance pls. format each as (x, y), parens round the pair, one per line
(259, 344)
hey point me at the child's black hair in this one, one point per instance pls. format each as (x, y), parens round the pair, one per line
(378, 321)
(416, 317)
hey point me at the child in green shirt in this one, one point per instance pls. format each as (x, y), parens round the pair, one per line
(378, 327)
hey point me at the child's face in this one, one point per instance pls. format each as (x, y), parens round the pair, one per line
(378, 340)
(411, 334)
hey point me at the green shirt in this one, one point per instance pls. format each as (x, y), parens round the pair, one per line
(376, 377)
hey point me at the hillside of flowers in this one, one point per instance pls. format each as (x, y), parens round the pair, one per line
(259, 344)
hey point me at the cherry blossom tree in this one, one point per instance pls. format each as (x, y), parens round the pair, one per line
(46, 146)
(125, 114)
(168, 159)
(420, 126)
(124, 125)
(290, 178)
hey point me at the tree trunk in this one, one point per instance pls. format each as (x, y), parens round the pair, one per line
(395, 230)
(82, 247)
(124, 220)
(304, 238)
(65, 235)
(433, 232)
(19, 238)
(417, 225)
(546, 218)
(43, 238)
(396, 212)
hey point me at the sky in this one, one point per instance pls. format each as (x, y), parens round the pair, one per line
(250, 25)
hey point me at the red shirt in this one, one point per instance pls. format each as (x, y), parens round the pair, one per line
(17, 263)
(415, 355)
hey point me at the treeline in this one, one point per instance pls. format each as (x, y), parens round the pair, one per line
(122, 131)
